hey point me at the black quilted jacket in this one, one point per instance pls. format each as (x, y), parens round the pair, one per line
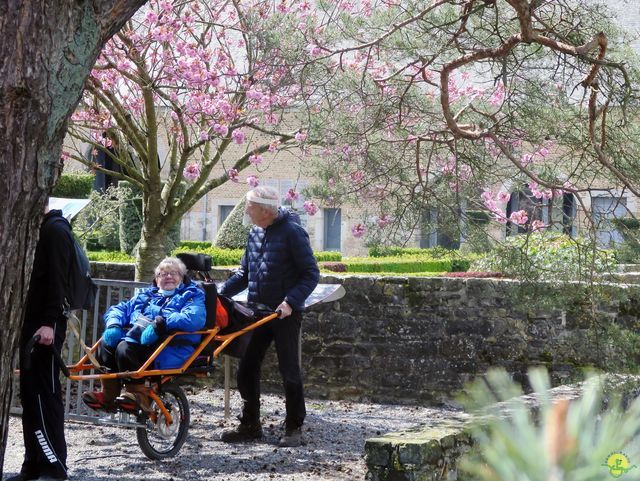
(277, 265)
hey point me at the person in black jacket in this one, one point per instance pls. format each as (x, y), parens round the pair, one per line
(42, 408)
(279, 269)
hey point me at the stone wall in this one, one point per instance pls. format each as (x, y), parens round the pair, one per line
(399, 339)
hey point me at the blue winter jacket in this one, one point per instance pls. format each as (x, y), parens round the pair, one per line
(183, 311)
(278, 265)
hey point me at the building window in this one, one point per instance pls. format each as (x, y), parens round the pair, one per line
(556, 213)
(603, 210)
(332, 230)
(223, 213)
(440, 228)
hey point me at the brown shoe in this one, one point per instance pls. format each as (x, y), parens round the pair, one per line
(135, 398)
(103, 400)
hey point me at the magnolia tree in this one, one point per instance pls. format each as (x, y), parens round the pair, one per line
(47, 51)
(452, 106)
(215, 78)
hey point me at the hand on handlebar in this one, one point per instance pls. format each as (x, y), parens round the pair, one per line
(45, 334)
(284, 309)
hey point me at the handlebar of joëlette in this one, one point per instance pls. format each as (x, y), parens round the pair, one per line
(28, 349)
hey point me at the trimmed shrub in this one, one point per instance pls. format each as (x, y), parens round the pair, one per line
(110, 256)
(74, 185)
(195, 245)
(219, 257)
(130, 215)
(322, 256)
(232, 234)
(333, 266)
(395, 251)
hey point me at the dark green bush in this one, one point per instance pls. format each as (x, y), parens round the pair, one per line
(232, 234)
(74, 185)
(130, 215)
(131, 219)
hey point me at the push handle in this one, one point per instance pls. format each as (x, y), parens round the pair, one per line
(28, 349)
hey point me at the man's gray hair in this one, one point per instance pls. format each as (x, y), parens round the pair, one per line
(267, 193)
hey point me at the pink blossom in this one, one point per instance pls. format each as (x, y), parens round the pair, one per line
(204, 136)
(497, 97)
(543, 152)
(526, 159)
(310, 208)
(254, 94)
(314, 50)
(191, 172)
(256, 159)
(238, 136)
(292, 195)
(503, 196)
(221, 129)
(65, 155)
(233, 175)
(300, 136)
(537, 225)
(273, 146)
(253, 181)
(383, 221)
(520, 217)
(358, 230)
(357, 176)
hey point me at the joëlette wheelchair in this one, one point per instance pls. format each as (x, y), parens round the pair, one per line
(162, 432)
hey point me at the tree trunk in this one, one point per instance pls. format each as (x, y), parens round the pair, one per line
(151, 250)
(47, 50)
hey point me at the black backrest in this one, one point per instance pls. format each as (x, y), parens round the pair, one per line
(196, 262)
(210, 298)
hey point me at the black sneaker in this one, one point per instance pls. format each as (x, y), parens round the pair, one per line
(20, 477)
(292, 438)
(242, 434)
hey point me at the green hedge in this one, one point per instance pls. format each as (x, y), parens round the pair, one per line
(322, 256)
(110, 256)
(74, 186)
(196, 245)
(219, 256)
(231, 257)
(395, 251)
(399, 266)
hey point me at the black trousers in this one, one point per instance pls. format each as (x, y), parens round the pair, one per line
(125, 357)
(286, 334)
(42, 408)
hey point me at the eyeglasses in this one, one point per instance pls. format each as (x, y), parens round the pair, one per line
(168, 274)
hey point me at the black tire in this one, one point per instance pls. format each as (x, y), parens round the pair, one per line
(159, 441)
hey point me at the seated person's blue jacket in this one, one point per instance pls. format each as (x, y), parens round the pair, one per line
(278, 264)
(182, 311)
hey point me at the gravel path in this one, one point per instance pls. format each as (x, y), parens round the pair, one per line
(334, 432)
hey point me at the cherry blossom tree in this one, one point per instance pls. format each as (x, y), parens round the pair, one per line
(47, 51)
(213, 75)
(454, 104)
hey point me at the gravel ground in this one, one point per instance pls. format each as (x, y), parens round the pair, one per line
(334, 434)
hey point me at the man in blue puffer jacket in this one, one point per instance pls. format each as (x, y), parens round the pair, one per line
(279, 269)
(134, 327)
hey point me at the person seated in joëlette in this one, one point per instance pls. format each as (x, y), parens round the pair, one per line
(135, 328)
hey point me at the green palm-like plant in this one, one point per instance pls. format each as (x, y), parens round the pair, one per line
(539, 438)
